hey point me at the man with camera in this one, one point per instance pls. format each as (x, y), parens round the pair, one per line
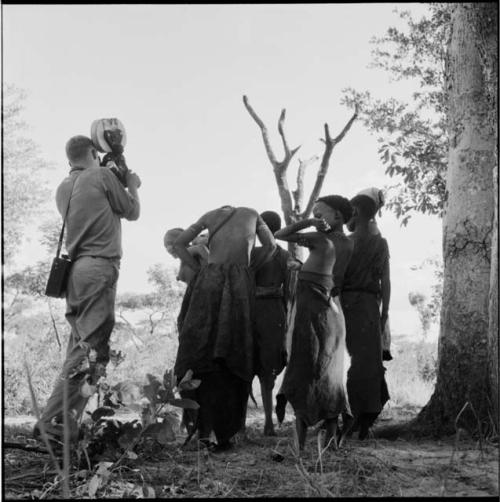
(93, 201)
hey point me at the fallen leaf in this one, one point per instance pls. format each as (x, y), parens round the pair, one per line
(189, 384)
(94, 484)
(185, 403)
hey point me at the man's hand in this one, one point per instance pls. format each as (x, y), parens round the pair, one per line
(133, 180)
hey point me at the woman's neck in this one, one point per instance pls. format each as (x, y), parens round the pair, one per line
(362, 227)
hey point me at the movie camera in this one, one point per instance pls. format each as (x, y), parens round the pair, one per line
(109, 137)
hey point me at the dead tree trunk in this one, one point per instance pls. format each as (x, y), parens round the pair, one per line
(463, 393)
(292, 202)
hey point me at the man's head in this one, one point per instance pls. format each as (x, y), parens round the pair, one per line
(81, 152)
(335, 209)
(170, 238)
(272, 220)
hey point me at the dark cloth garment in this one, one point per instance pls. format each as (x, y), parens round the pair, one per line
(364, 271)
(222, 397)
(216, 321)
(216, 342)
(323, 280)
(270, 331)
(313, 381)
(339, 237)
(271, 281)
(366, 385)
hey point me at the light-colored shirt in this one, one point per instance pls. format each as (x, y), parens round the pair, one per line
(98, 202)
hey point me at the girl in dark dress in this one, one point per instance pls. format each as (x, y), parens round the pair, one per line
(313, 381)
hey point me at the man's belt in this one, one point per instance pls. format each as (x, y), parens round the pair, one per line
(112, 258)
(269, 292)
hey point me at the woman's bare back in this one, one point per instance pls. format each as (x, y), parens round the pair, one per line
(234, 240)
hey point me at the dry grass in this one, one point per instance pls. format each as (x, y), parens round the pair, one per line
(261, 466)
(253, 469)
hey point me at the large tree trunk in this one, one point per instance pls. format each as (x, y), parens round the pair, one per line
(493, 334)
(464, 345)
(484, 21)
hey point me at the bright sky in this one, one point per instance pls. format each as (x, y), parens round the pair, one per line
(175, 76)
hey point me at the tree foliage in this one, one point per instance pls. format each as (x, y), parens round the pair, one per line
(144, 338)
(412, 136)
(26, 193)
(157, 305)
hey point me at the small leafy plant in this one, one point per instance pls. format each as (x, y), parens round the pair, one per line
(106, 441)
(106, 438)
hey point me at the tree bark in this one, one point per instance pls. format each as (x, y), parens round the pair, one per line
(463, 393)
(483, 18)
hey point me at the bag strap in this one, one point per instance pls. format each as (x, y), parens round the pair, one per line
(59, 245)
(218, 227)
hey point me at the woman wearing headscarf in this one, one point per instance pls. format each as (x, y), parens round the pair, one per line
(365, 302)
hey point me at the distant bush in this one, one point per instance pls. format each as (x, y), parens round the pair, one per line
(32, 338)
(145, 333)
(411, 374)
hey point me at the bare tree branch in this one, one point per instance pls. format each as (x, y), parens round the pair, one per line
(54, 325)
(288, 154)
(14, 299)
(279, 168)
(329, 145)
(340, 137)
(298, 194)
(291, 213)
(265, 135)
(132, 330)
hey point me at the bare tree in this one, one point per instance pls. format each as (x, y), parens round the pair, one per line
(292, 202)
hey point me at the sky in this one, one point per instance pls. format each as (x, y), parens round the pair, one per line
(175, 76)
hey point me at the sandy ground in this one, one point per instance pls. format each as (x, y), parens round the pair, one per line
(261, 466)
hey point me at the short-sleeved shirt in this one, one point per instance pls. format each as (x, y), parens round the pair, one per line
(98, 202)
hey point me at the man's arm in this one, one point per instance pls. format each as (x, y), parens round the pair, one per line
(386, 290)
(125, 203)
(182, 242)
(268, 245)
(133, 183)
